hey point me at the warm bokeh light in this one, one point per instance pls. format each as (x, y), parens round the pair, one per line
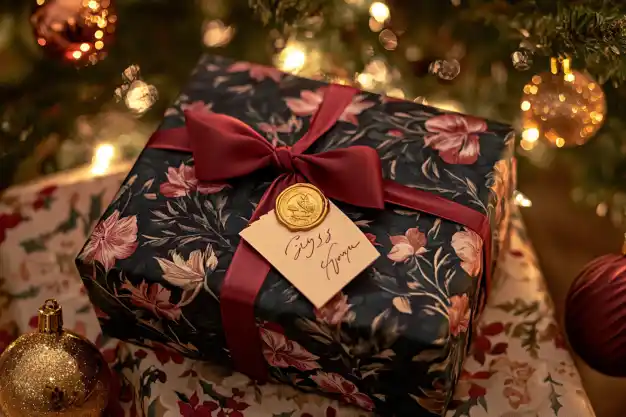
(292, 58)
(525, 105)
(217, 34)
(379, 11)
(102, 158)
(530, 134)
(521, 200)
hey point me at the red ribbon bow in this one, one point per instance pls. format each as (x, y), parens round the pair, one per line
(224, 148)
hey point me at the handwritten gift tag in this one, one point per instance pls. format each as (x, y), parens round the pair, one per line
(318, 262)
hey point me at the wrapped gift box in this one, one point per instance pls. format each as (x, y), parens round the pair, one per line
(394, 339)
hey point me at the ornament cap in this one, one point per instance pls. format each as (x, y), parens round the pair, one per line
(50, 317)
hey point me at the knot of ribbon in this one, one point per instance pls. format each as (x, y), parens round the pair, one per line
(224, 147)
(282, 159)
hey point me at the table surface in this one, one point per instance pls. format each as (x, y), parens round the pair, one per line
(518, 367)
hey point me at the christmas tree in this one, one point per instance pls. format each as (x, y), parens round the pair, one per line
(75, 75)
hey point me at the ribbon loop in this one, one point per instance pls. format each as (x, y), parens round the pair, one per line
(283, 159)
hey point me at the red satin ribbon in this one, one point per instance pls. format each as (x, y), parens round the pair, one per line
(225, 147)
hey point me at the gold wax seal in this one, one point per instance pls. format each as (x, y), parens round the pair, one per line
(301, 207)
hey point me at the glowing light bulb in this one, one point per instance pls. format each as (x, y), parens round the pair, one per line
(99, 34)
(292, 58)
(103, 155)
(379, 11)
(77, 54)
(84, 47)
(525, 105)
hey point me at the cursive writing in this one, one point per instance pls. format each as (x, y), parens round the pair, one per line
(299, 245)
(335, 260)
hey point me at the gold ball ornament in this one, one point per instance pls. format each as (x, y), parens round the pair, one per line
(53, 372)
(563, 106)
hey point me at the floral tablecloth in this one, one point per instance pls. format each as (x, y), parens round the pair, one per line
(518, 366)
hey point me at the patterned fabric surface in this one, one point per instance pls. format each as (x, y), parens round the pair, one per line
(518, 365)
(396, 336)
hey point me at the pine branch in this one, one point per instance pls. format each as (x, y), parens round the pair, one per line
(592, 32)
(286, 13)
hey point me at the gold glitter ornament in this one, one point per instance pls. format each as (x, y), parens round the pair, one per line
(563, 106)
(53, 372)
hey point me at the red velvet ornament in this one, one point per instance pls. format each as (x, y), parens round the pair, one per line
(77, 31)
(595, 314)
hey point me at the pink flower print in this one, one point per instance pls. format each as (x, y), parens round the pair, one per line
(182, 181)
(334, 311)
(336, 384)
(309, 102)
(372, 238)
(455, 137)
(355, 108)
(154, 298)
(283, 353)
(112, 239)
(468, 247)
(405, 247)
(257, 72)
(459, 314)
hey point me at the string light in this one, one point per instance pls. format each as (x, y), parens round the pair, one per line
(379, 11)
(103, 155)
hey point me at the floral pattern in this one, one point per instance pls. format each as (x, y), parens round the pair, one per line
(188, 274)
(182, 181)
(283, 353)
(336, 384)
(456, 137)
(309, 101)
(468, 247)
(114, 238)
(459, 314)
(518, 364)
(153, 298)
(412, 243)
(334, 311)
(411, 312)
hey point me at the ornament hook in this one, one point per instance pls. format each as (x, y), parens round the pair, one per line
(50, 317)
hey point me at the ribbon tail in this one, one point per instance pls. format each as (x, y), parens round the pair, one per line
(241, 285)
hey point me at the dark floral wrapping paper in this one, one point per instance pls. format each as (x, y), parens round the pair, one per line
(395, 338)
